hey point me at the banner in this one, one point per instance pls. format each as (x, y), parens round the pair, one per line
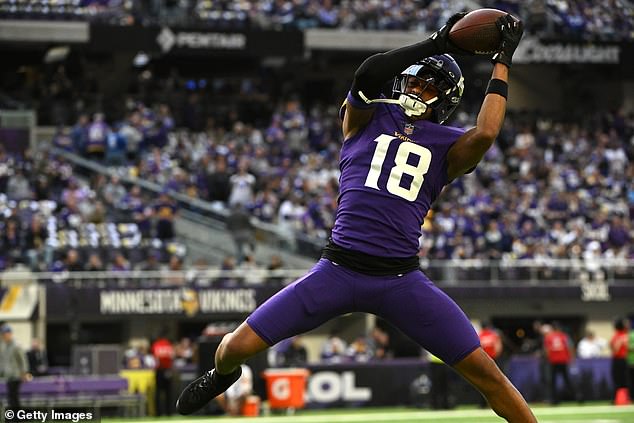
(410, 382)
(64, 302)
(377, 383)
(196, 41)
(584, 291)
(533, 50)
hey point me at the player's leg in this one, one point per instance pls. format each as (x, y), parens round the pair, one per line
(236, 347)
(214, 382)
(428, 316)
(482, 372)
(323, 293)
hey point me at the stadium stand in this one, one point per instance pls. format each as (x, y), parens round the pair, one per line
(554, 169)
(571, 200)
(604, 21)
(56, 221)
(280, 164)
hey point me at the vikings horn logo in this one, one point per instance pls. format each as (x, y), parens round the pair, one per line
(189, 302)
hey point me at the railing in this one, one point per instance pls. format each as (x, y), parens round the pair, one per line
(442, 272)
(529, 271)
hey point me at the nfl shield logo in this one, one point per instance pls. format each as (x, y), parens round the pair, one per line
(409, 129)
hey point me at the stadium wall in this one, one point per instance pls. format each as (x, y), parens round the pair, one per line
(136, 313)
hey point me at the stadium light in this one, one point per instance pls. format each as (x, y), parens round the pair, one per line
(141, 59)
(56, 54)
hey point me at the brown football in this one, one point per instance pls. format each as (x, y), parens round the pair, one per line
(476, 32)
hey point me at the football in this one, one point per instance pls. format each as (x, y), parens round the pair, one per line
(476, 32)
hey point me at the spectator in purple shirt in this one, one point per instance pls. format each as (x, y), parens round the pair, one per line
(63, 140)
(619, 233)
(165, 211)
(98, 132)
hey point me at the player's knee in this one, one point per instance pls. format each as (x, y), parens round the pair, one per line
(226, 347)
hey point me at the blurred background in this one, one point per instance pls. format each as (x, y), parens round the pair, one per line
(168, 165)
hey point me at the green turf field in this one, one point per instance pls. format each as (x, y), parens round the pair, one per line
(562, 414)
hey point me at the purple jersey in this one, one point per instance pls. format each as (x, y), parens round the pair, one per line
(391, 173)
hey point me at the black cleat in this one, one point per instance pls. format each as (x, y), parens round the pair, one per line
(204, 389)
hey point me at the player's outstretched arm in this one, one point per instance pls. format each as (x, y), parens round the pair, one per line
(379, 68)
(469, 149)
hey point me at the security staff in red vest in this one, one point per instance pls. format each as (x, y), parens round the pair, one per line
(618, 346)
(490, 341)
(163, 352)
(559, 353)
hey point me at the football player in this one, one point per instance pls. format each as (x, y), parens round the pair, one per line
(395, 159)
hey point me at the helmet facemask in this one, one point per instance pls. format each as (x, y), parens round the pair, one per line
(413, 104)
(439, 72)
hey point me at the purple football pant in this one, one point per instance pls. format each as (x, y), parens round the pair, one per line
(411, 302)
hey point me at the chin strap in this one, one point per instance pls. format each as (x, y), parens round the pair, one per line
(410, 105)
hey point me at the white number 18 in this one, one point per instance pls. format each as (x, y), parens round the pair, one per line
(400, 168)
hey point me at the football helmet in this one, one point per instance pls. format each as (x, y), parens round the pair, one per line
(443, 73)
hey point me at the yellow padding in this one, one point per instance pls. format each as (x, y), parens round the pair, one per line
(10, 298)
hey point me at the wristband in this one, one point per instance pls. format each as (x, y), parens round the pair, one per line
(497, 86)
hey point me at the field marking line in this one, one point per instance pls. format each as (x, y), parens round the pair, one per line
(426, 415)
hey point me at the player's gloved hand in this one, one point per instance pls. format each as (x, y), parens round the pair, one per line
(441, 37)
(511, 29)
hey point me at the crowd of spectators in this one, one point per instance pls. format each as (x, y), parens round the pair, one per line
(405, 15)
(268, 170)
(52, 219)
(547, 189)
(231, 14)
(573, 19)
(119, 12)
(608, 20)
(587, 20)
